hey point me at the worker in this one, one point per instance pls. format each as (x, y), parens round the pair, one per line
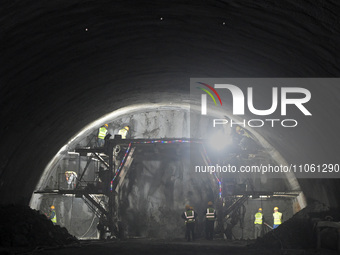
(102, 132)
(101, 228)
(190, 217)
(242, 132)
(277, 216)
(228, 227)
(71, 179)
(123, 132)
(52, 215)
(210, 216)
(258, 223)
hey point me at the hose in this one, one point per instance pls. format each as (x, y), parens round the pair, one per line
(94, 216)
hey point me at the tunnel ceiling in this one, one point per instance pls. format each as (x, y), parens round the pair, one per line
(67, 63)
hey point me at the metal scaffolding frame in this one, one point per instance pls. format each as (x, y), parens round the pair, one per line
(106, 155)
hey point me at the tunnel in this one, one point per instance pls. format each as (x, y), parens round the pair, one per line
(69, 67)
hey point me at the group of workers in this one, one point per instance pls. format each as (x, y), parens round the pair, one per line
(259, 221)
(190, 217)
(71, 176)
(103, 132)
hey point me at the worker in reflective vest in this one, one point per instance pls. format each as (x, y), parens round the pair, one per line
(52, 215)
(258, 223)
(102, 132)
(123, 132)
(190, 218)
(210, 216)
(277, 216)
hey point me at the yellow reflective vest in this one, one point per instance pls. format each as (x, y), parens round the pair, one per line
(258, 218)
(54, 219)
(277, 218)
(102, 133)
(123, 133)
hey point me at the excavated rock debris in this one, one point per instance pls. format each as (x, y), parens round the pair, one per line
(21, 226)
(299, 231)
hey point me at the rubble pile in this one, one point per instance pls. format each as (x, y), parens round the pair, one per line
(299, 231)
(21, 226)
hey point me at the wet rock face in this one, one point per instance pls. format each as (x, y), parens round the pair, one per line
(23, 227)
(156, 190)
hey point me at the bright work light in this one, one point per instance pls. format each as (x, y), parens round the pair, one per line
(219, 141)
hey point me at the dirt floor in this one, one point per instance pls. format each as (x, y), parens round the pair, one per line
(152, 246)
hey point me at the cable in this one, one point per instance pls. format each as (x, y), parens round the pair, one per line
(94, 216)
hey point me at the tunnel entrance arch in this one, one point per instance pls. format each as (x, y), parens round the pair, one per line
(122, 116)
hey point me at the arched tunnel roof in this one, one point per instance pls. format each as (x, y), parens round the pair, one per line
(65, 64)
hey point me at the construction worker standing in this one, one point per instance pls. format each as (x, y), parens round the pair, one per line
(52, 215)
(258, 223)
(190, 217)
(71, 179)
(210, 216)
(123, 132)
(102, 132)
(277, 216)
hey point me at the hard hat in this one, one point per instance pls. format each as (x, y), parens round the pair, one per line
(260, 209)
(106, 125)
(52, 207)
(276, 208)
(191, 208)
(187, 207)
(210, 203)
(127, 128)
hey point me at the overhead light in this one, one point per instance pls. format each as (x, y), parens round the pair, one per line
(219, 141)
(72, 153)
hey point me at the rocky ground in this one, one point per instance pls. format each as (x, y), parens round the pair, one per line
(299, 231)
(178, 247)
(27, 231)
(21, 226)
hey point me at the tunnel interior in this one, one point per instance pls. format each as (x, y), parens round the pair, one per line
(68, 67)
(161, 176)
